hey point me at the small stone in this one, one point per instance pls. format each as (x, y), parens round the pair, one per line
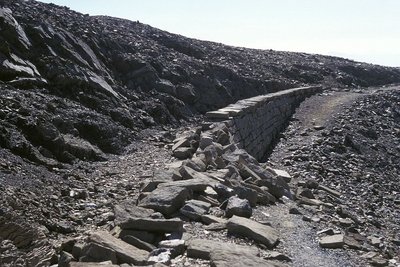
(346, 222)
(305, 192)
(283, 174)
(160, 255)
(294, 210)
(215, 226)
(319, 127)
(315, 219)
(311, 184)
(379, 262)
(274, 255)
(208, 219)
(181, 143)
(65, 259)
(182, 153)
(333, 241)
(374, 241)
(328, 231)
(177, 246)
(352, 242)
(369, 255)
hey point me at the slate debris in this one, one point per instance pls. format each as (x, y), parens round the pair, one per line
(76, 89)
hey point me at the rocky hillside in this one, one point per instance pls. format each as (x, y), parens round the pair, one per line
(77, 86)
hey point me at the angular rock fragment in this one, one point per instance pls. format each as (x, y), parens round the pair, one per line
(208, 219)
(136, 242)
(332, 241)
(258, 232)
(166, 199)
(248, 193)
(153, 225)
(183, 142)
(160, 255)
(202, 248)
(282, 174)
(182, 153)
(128, 209)
(239, 207)
(94, 252)
(124, 252)
(176, 246)
(91, 264)
(194, 209)
(193, 185)
(238, 258)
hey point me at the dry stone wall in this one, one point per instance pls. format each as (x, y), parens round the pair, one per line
(255, 122)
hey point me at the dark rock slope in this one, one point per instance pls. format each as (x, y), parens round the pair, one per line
(77, 86)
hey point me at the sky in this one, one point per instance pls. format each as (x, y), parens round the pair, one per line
(363, 30)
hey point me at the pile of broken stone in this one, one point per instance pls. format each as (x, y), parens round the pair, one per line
(217, 185)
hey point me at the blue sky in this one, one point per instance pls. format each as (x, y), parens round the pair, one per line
(364, 30)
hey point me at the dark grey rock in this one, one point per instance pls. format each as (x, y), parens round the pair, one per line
(183, 153)
(239, 207)
(65, 259)
(194, 209)
(166, 199)
(153, 225)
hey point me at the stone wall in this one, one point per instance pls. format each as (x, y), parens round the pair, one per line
(254, 123)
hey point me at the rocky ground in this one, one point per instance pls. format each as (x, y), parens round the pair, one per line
(347, 142)
(90, 108)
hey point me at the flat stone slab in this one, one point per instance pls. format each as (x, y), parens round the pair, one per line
(208, 219)
(261, 233)
(166, 199)
(217, 114)
(90, 264)
(238, 258)
(153, 225)
(125, 253)
(195, 185)
(202, 248)
(126, 209)
(332, 241)
(194, 209)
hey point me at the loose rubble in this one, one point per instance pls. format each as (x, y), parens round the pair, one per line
(92, 172)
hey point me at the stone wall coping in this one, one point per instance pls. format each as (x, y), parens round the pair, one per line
(247, 104)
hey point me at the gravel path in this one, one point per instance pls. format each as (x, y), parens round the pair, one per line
(312, 121)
